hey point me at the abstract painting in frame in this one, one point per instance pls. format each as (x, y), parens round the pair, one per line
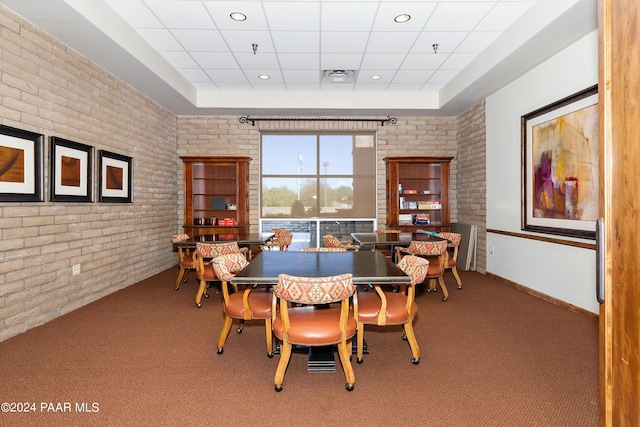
(71, 171)
(21, 165)
(560, 166)
(115, 178)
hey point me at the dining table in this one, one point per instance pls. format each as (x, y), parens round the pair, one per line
(391, 240)
(366, 267)
(242, 238)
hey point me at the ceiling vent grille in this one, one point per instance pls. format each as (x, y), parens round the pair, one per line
(338, 76)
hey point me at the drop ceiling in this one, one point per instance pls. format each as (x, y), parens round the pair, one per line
(192, 58)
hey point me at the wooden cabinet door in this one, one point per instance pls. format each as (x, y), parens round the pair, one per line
(619, 99)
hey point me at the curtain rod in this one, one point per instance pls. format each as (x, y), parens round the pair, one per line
(253, 120)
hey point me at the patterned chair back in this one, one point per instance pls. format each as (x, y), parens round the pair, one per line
(436, 248)
(414, 267)
(324, 249)
(453, 238)
(331, 241)
(226, 266)
(175, 238)
(212, 250)
(314, 290)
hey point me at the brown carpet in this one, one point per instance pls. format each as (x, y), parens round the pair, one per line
(491, 356)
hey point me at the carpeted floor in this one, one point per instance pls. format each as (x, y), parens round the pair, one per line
(145, 356)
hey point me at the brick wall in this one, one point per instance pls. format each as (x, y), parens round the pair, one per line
(472, 180)
(410, 136)
(46, 87)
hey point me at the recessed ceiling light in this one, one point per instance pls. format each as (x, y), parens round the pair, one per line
(264, 76)
(376, 77)
(402, 18)
(238, 16)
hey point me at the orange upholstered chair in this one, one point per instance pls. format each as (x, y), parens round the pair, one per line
(435, 252)
(307, 325)
(185, 260)
(386, 307)
(452, 254)
(202, 257)
(247, 304)
(323, 250)
(281, 239)
(331, 241)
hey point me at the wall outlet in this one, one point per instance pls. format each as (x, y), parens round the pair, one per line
(491, 250)
(75, 270)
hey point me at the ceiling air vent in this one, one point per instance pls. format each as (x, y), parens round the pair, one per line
(338, 76)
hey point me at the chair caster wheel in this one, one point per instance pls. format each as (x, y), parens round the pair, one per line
(198, 305)
(444, 299)
(359, 361)
(404, 337)
(278, 387)
(185, 280)
(206, 295)
(270, 355)
(415, 361)
(239, 330)
(176, 288)
(220, 350)
(459, 288)
(350, 387)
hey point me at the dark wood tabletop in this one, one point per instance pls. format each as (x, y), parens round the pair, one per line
(366, 267)
(391, 239)
(242, 238)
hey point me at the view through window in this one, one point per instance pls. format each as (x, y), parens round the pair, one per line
(309, 178)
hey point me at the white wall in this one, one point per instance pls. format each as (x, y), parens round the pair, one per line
(560, 271)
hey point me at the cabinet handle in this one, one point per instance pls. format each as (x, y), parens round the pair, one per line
(600, 260)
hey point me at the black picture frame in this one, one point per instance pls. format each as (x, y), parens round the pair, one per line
(70, 171)
(21, 165)
(560, 173)
(116, 177)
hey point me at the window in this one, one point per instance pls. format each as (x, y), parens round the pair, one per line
(311, 175)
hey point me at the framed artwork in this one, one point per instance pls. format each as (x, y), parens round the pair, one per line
(560, 166)
(21, 165)
(70, 171)
(115, 177)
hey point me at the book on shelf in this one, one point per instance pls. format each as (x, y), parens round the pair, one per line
(405, 219)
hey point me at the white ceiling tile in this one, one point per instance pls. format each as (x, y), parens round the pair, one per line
(423, 61)
(347, 16)
(364, 76)
(390, 61)
(459, 16)
(226, 76)
(160, 39)
(293, 16)
(135, 13)
(222, 60)
(249, 61)
(181, 14)
(391, 42)
(340, 61)
(420, 12)
(364, 87)
(296, 41)
(412, 76)
(200, 40)
(299, 61)
(301, 76)
(306, 87)
(344, 42)
(243, 41)
(447, 41)
(220, 11)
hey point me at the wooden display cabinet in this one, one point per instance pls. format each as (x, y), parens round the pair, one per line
(417, 191)
(213, 185)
